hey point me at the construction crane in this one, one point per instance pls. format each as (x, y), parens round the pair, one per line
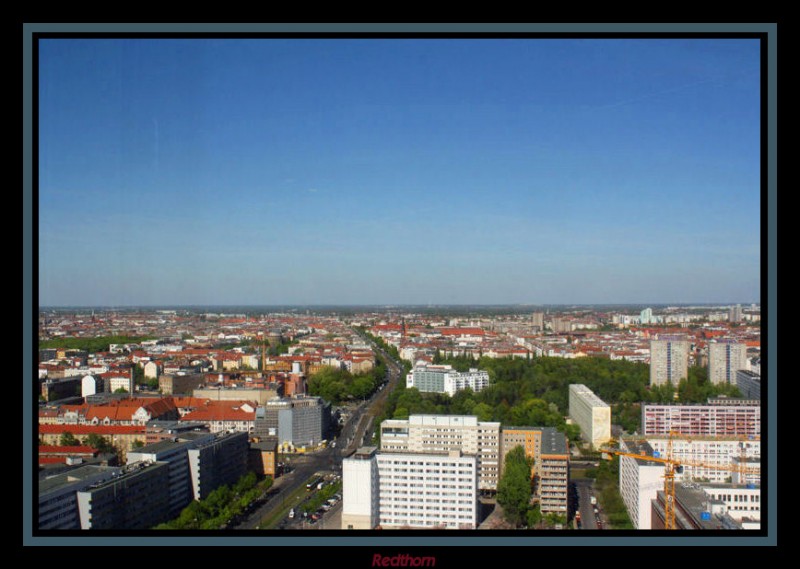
(672, 467)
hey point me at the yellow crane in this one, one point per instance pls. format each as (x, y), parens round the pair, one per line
(674, 466)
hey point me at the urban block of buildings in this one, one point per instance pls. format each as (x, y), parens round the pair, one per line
(429, 378)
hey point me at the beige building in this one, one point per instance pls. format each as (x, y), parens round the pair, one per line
(590, 413)
(669, 360)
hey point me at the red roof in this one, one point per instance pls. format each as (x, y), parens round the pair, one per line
(77, 449)
(462, 331)
(89, 429)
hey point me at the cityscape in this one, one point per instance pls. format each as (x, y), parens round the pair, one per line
(348, 286)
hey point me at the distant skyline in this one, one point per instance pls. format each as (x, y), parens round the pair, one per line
(382, 171)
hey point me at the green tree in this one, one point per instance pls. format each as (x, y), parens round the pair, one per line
(514, 488)
(99, 442)
(120, 390)
(534, 516)
(68, 440)
(137, 444)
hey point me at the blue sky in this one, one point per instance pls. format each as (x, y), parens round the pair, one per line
(398, 171)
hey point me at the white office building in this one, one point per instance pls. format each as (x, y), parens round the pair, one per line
(409, 490)
(725, 358)
(431, 378)
(639, 481)
(445, 433)
(669, 360)
(590, 413)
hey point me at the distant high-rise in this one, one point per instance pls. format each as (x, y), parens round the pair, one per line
(735, 313)
(725, 358)
(537, 319)
(669, 360)
(646, 316)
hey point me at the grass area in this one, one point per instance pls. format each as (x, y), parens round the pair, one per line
(288, 503)
(577, 473)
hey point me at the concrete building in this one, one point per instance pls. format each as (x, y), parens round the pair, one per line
(749, 384)
(170, 384)
(92, 385)
(725, 358)
(713, 459)
(697, 509)
(175, 454)
(296, 421)
(58, 501)
(537, 320)
(259, 395)
(702, 420)
(137, 499)
(217, 462)
(549, 450)
(360, 490)
(410, 490)
(669, 360)
(735, 313)
(444, 433)
(590, 413)
(263, 457)
(429, 378)
(639, 482)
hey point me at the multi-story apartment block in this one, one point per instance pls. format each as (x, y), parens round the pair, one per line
(58, 502)
(444, 379)
(176, 455)
(718, 419)
(549, 450)
(217, 462)
(410, 490)
(714, 459)
(669, 360)
(137, 499)
(725, 358)
(444, 433)
(749, 384)
(590, 413)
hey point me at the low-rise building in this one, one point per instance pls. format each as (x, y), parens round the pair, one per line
(431, 378)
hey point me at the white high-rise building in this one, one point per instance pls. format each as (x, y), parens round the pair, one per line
(669, 360)
(590, 413)
(725, 358)
(431, 378)
(714, 459)
(444, 433)
(409, 490)
(639, 481)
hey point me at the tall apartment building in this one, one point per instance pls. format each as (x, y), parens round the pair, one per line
(444, 433)
(731, 420)
(409, 490)
(590, 413)
(725, 358)
(58, 501)
(431, 378)
(735, 313)
(749, 384)
(549, 450)
(217, 462)
(669, 360)
(176, 454)
(537, 319)
(639, 481)
(137, 499)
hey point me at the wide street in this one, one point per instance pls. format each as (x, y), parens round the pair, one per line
(356, 432)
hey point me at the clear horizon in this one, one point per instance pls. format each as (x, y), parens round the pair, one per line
(432, 172)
